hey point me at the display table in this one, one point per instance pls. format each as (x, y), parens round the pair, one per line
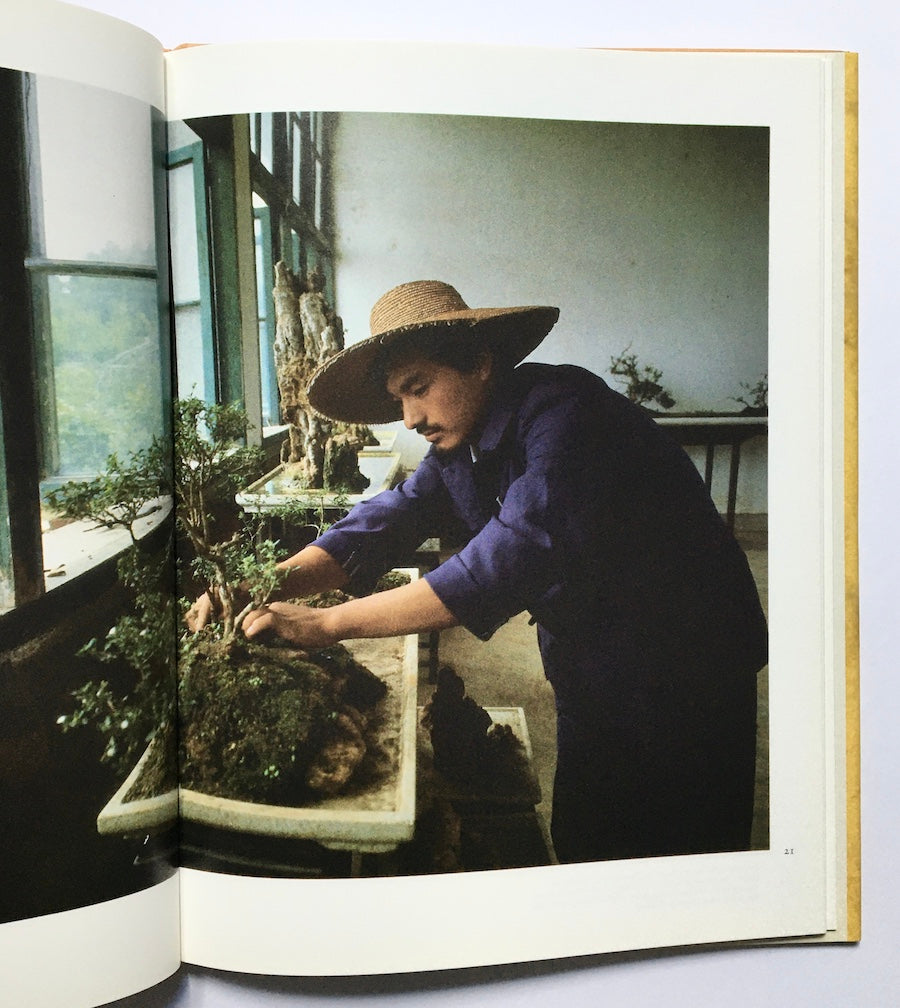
(493, 825)
(717, 429)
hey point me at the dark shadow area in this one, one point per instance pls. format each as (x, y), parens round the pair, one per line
(53, 784)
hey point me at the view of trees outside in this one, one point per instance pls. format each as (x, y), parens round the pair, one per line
(106, 369)
(92, 161)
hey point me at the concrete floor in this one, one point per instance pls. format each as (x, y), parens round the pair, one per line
(506, 672)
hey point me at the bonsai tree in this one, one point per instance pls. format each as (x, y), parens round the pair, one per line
(211, 465)
(755, 399)
(258, 722)
(641, 383)
(143, 637)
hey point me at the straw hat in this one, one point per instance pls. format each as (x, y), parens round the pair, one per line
(349, 386)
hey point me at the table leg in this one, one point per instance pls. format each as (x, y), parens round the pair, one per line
(708, 471)
(732, 482)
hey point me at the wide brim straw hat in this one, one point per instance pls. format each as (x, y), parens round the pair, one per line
(351, 388)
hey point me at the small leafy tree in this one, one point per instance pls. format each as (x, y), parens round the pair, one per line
(641, 383)
(254, 721)
(211, 464)
(756, 397)
(143, 637)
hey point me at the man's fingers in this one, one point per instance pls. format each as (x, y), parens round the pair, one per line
(199, 613)
(257, 621)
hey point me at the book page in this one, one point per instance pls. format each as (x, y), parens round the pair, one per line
(90, 909)
(789, 886)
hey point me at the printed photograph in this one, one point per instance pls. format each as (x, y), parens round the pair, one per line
(418, 461)
(470, 440)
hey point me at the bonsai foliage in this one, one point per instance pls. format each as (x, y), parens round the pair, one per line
(123, 494)
(212, 463)
(143, 637)
(311, 510)
(756, 397)
(641, 383)
(257, 722)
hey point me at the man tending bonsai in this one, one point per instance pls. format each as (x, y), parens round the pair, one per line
(579, 509)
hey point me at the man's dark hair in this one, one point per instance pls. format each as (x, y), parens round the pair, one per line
(452, 345)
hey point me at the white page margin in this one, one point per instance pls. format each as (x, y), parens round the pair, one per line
(61, 40)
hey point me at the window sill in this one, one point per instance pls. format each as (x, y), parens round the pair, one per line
(80, 564)
(80, 546)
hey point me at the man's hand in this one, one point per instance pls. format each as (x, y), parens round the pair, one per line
(209, 607)
(299, 625)
(201, 612)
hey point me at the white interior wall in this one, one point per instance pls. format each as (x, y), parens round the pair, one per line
(649, 237)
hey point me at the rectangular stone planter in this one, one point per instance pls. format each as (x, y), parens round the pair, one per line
(276, 488)
(124, 818)
(371, 820)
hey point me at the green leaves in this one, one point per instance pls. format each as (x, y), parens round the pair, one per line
(123, 494)
(143, 638)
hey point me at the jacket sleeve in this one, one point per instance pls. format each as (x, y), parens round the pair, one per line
(381, 532)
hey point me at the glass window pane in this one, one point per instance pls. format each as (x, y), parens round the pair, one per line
(265, 145)
(179, 134)
(183, 230)
(264, 283)
(96, 165)
(318, 209)
(194, 376)
(107, 378)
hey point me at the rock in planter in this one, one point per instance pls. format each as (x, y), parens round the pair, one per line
(307, 333)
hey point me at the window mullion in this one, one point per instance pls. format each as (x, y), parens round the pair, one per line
(17, 373)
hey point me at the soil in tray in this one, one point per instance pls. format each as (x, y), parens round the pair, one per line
(159, 774)
(278, 726)
(274, 725)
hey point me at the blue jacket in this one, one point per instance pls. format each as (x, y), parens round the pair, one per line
(581, 510)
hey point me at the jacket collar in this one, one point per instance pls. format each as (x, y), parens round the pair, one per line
(500, 416)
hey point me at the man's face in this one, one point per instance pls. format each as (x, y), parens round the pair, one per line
(444, 405)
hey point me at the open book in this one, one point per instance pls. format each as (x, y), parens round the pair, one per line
(692, 214)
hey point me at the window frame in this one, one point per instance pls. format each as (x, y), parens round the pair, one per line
(29, 459)
(193, 155)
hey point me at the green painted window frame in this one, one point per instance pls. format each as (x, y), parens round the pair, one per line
(192, 155)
